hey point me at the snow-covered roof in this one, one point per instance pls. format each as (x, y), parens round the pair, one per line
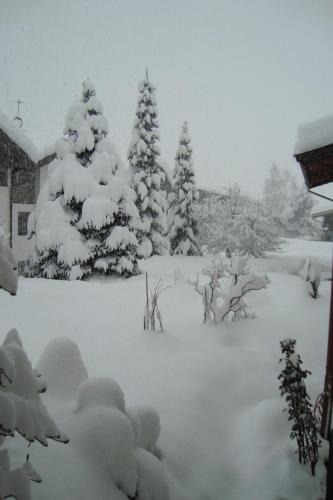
(218, 191)
(322, 208)
(46, 151)
(19, 137)
(314, 135)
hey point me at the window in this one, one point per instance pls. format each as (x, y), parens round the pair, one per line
(22, 223)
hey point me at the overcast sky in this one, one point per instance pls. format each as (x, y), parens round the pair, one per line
(244, 73)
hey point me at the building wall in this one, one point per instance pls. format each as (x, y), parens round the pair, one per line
(3, 174)
(23, 186)
(4, 208)
(22, 247)
(42, 176)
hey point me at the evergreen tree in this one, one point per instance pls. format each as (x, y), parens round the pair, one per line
(85, 219)
(299, 407)
(147, 174)
(182, 220)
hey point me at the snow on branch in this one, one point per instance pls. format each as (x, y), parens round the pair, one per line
(238, 281)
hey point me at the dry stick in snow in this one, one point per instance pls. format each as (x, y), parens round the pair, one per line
(152, 310)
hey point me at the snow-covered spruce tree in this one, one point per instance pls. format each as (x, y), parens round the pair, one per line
(237, 223)
(85, 221)
(299, 407)
(182, 221)
(147, 174)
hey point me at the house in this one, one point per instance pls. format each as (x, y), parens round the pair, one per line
(324, 213)
(314, 152)
(18, 189)
(21, 175)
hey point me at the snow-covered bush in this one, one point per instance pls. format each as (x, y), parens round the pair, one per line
(22, 410)
(85, 220)
(8, 268)
(289, 204)
(147, 174)
(220, 298)
(182, 223)
(236, 223)
(310, 274)
(299, 407)
(62, 368)
(120, 442)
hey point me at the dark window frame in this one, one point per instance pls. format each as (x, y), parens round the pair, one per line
(22, 223)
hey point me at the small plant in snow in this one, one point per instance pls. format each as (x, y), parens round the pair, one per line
(299, 407)
(152, 313)
(238, 281)
(310, 275)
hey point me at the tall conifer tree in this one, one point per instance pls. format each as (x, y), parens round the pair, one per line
(85, 219)
(182, 220)
(147, 174)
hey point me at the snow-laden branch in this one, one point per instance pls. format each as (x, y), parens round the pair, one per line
(240, 280)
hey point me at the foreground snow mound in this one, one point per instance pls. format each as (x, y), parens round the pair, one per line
(104, 436)
(112, 440)
(150, 427)
(62, 368)
(100, 391)
(152, 484)
(275, 469)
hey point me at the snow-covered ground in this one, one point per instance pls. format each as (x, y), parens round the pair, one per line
(224, 434)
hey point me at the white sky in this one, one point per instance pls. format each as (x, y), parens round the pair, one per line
(244, 73)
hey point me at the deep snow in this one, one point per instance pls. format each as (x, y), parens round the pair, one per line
(223, 432)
